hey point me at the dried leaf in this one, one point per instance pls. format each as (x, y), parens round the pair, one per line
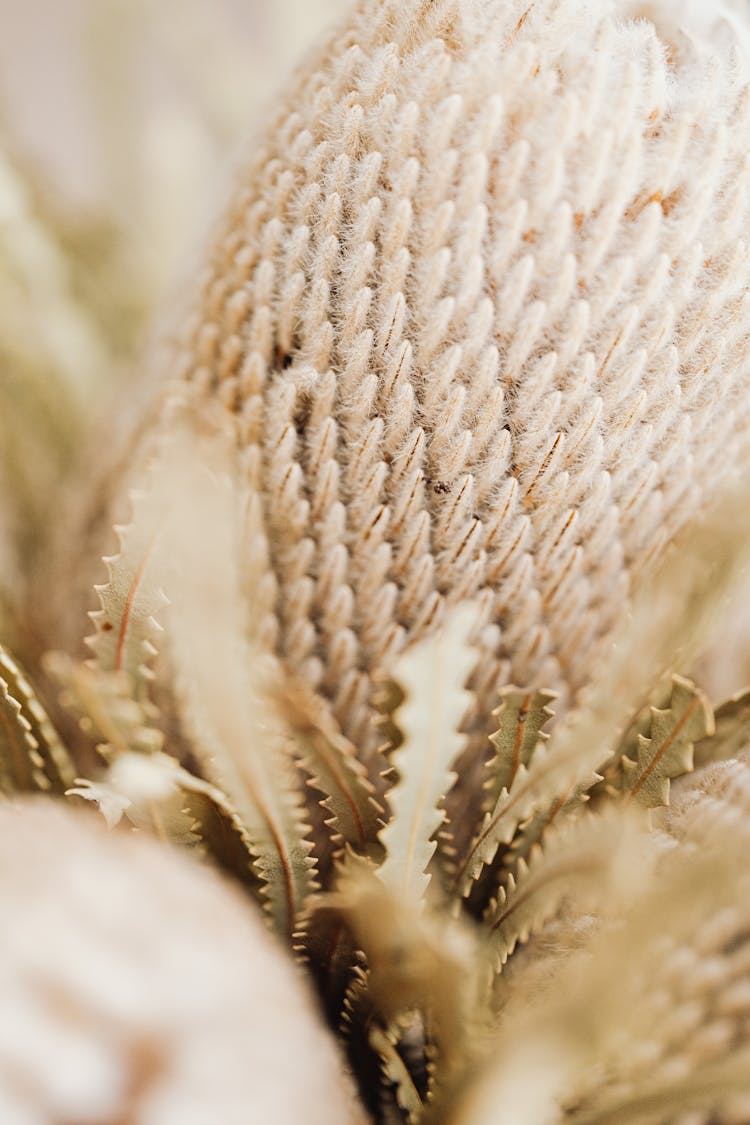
(32, 757)
(432, 675)
(521, 716)
(535, 786)
(105, 707)
(334, 769)
(325, 942)
(417, 961)
(384, 1042)
(226, 686)
(640, 982)
(110, 803)
(148, 791)
(21, 764)
(731, 734)
(158, 796)
(519, 733)
(578, 861)
(667, 752)
(670, 614)
(127, 629)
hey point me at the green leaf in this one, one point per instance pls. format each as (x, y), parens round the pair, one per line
(33, 757)
(432, 675)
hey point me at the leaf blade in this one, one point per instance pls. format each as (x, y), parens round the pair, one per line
(432, 675)
(49, 754)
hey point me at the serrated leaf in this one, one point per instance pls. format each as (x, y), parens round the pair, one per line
(147, 791)
(218, 827)
(104, 705)
(731, 735)
(533, 831)
(568, 764)
(21, 765)
(356, 1008)
(549, 776)
(432, 675)
(395, 1071)
(418, 961)
(521, 717)
(49, 754)
(334, 769)
(111, 804)
(668, 750)
(578, 860)
(225, 685)
(325, 942)
(159, 796)
(127, 629)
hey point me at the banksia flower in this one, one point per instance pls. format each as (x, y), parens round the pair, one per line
(478, 312)
(468, 360)
(114, 1005)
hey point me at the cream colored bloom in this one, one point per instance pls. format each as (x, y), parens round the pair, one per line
(479, 313)
(136, 985)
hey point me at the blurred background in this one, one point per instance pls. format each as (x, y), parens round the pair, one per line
(119, 122)
(130, 109)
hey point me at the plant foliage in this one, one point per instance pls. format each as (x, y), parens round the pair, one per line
(416, 948)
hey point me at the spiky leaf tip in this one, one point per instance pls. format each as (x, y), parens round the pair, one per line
(667, 751)
(431, 675)
(521, 718)
(49, 766)
(333, 769)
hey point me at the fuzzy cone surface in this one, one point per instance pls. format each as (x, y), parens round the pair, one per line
(479, 314)
(115, 1005)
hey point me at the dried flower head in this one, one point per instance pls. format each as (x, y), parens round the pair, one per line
(468, 359)
(478, 312)
(115, 1005)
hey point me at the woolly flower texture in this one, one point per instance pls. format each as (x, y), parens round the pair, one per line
(479, 315)
(115, 1005)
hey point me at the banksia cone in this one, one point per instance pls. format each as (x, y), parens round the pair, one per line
(115, 1006)
(479, 314)
(476, 327)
